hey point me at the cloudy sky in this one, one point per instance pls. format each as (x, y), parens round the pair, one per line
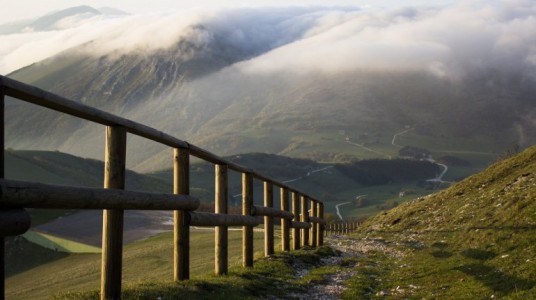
(23, 9)
(445, 38)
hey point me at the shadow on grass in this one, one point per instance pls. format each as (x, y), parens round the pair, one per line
(22, 255)
(496, 280)
(442, 250)
(478, 254)
(441, 254)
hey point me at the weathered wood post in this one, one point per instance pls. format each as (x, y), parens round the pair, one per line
(112, 223)
(221, 233)
(319, 226)
(2, 147)
(247, 231)
(315, 226)
(285, 226)
(321, 216)
(304, 218)
(181, 229)
(296, 212)
(268, 221)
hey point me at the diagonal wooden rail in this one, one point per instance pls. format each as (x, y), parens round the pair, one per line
(16, 196)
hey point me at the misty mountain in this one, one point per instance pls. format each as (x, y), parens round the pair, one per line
(243, 81)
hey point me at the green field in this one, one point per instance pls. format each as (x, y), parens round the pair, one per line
(59, 244)
(147, 260)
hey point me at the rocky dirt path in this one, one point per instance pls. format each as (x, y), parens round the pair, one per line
(333, 285)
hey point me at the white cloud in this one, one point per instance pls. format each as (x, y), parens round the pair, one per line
(446, 40)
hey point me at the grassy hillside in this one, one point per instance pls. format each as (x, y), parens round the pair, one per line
(150, 259)
(474, 240)
(55, 167)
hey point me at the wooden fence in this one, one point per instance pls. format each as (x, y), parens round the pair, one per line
(15, 196)
(340, 227)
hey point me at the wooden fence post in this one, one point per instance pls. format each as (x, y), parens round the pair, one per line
(221, 233)
(321, 227)
(285, 229)
(268, 221)
(112, 224)
(247, 231)
(2, 241)
(296, 212)
(304, 218)
(181, 229)
(314, 226)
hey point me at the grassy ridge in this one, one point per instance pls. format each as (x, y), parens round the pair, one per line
(475, 240)
(54, 167)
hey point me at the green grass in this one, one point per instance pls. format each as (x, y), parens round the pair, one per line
(150, 259)
(475, 240)
(273, 276)
(59, 244)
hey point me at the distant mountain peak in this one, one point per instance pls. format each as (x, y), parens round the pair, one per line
(49, 21)
(112, 11)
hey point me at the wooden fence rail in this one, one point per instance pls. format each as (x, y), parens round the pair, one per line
(15, 196)
(340, 227)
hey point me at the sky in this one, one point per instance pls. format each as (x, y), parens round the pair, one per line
(24, 9)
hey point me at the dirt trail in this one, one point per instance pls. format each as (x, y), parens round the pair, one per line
(333, 285)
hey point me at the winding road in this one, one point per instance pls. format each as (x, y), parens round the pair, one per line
(393, 142)
(344, 203)
(308, 174)
(298, 178)
(337, 208)
(369, 149)
(439, 178)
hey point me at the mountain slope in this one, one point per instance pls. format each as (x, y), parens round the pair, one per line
(64, 169)
(501, 196)
(475, 239)
(224, 81)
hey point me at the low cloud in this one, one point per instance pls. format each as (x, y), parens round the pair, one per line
(447, 40)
